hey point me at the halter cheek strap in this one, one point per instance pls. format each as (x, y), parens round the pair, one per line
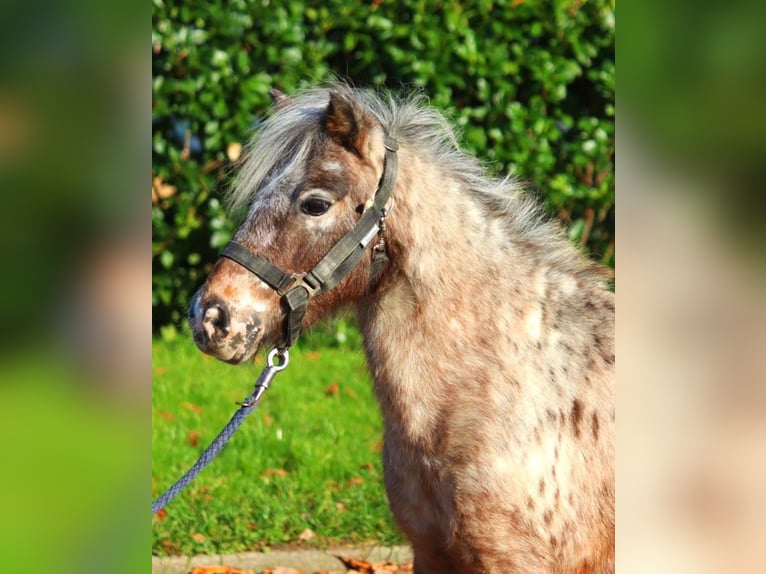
(297, 289)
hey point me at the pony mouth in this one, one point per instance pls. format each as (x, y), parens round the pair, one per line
(234, 348)
(244, 350)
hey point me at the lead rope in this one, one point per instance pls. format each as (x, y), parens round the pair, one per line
(276, 361)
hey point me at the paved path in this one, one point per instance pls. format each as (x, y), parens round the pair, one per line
(306, 560)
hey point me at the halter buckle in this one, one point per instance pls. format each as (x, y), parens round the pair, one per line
(305, 280)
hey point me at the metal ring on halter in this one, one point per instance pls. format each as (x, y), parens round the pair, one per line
(284, 359)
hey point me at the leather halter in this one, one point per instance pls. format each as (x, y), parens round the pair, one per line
(297, 289)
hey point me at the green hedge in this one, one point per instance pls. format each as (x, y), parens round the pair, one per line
(530, 85)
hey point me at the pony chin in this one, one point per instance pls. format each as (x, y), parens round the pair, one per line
(241, 354)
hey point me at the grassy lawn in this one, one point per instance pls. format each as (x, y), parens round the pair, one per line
(307, 458)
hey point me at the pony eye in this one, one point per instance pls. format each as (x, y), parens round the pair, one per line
(315, 206)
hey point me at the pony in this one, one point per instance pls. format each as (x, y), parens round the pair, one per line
(488, 336)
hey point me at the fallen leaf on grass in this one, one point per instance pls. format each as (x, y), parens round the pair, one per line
(192, 407)
(332, 389)
(307, 534)
(166, 415)
(269, 472)
(281, 570)
(198, 537)
(193, 438)
(355, 481)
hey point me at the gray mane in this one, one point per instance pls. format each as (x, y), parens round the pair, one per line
(284, 142)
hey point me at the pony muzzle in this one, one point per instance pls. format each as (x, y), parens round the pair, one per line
(229, 334)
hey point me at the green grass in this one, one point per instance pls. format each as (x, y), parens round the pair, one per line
(307, 458)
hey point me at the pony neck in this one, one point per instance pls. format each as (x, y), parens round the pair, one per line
(450, 262)
(471, 294)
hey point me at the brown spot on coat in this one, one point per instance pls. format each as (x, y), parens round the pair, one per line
(576, 416)
(595, 425)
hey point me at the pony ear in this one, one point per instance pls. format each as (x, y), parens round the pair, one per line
(346, 123)
(279, 99)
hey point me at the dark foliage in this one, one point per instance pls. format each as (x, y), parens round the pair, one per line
(530, 85)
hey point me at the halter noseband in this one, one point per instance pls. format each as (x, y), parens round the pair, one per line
(297, 289)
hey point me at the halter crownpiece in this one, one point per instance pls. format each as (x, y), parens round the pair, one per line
(297, 289)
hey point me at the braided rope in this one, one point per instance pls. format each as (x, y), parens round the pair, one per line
(247, 407)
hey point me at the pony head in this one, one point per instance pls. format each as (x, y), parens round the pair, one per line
(312, 171)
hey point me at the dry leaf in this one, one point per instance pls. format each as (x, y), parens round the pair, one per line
(219, 570)
(192, 407)
(192, 438)
(267, 420)
(166, 415)
(332, 389)
(307, 534)
(355, 481)
(363, 567)
(354, 564)
(197, 537)
(161, 514)
(269, 472)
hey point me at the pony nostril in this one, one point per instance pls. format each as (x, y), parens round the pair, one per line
(215, 321)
